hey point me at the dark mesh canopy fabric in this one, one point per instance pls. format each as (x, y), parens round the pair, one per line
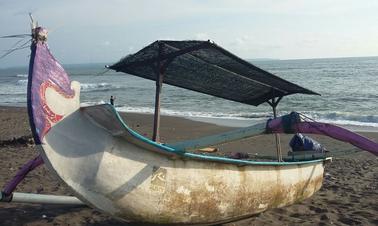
(204, 67)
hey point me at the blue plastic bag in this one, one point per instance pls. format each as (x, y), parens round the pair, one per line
(300, 142)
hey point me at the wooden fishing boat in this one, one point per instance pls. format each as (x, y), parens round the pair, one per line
(114, 169)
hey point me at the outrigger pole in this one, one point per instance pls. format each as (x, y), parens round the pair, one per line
(20, 197)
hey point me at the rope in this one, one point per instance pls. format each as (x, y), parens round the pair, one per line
(334, 153)
(16, 36)
(12, 49)
(102, 72)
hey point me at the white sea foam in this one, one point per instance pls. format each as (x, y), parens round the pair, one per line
(86, 104)
(335, 118)
(22, 82)
(350, 123)
(346, 122)
(13, 92)
(342, 118)
(95, 87)
(21, 75)
(197, 114)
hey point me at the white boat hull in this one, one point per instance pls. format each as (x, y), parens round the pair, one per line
(111, 171)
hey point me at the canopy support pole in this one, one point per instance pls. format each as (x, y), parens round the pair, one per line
(159, 83)
(273, 103)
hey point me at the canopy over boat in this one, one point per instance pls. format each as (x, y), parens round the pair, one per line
(205, 67)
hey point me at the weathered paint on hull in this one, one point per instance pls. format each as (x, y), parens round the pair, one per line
(135, 184)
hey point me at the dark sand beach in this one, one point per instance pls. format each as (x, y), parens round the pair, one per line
(349, 195)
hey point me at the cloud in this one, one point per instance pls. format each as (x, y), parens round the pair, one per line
(201, 36)
(240, 41)
(105, 43)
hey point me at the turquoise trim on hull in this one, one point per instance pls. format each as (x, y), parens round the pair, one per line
(202, 156)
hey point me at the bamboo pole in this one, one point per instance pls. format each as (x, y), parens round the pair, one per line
(156, 133)
(278, 138)
(159, 83)
(273, 103)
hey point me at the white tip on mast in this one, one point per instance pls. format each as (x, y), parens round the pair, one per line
(33, 23)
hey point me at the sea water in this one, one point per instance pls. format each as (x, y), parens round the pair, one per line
(348, 88)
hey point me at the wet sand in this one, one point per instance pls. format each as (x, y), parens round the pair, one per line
(349, 195)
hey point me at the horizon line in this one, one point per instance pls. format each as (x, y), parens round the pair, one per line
(246, 59)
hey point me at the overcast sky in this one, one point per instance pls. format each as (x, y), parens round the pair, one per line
(94, 31)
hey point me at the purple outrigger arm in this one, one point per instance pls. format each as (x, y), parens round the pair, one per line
(29, 166)
(292, 124)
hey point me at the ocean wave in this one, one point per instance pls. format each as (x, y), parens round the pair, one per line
(343, 118)
(91, 103)
(199, 114)
(330, 117)
(95, 87)
(85, 87)
(21, 75)
(20, 93)
(143, 110)
(22, 82)
(350, 123)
